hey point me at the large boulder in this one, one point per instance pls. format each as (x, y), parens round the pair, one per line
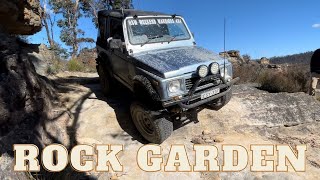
(234, 53)
(264, 61)
(41, 57)
(20, 16)
(233, 56)
(22, 91)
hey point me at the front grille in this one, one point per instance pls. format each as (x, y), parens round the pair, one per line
(202, 86)
(190, 82)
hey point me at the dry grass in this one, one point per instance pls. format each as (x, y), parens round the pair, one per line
(248, 73)
(74, 65)
(287, 79)
(290, 80)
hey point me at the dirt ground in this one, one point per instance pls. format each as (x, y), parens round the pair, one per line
(252, 117)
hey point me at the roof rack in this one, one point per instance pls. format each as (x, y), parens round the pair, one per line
(123, 13)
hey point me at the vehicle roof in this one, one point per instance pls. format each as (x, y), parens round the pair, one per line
(129, 13)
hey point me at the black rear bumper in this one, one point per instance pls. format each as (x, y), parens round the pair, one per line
(185, 102)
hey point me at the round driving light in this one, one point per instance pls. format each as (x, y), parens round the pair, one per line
(214, 68)
(203, 71)
(174, 86)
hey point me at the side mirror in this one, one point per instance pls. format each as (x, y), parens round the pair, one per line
(115, 43)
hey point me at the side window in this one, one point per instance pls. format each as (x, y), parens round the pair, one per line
(116, 30)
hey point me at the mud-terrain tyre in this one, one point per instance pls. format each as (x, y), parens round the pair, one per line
(150, 124)
(106, 81)
(223, 101)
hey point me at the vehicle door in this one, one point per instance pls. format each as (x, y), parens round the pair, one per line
(118, 56)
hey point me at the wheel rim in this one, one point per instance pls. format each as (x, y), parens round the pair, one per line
(145, 123)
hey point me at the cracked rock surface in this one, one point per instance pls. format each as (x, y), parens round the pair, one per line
(252, 117)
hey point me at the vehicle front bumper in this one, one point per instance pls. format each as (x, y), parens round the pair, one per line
(184, 102)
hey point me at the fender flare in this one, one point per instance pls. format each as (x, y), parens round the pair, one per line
(146, 84)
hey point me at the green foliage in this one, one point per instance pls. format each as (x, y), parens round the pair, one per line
(75, 65)
(90, 8)
(59, 51)
(125, 4)
(55, 68)
(70, 34)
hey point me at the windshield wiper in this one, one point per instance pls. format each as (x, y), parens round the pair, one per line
(151, 38)
(174, 37)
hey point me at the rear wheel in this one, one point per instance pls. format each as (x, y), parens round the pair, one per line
(150, 124)
(224, 100)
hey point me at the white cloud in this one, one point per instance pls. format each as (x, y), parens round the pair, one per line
(316, 26)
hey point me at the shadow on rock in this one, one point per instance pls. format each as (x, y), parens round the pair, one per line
(121, 99)
(26, 103)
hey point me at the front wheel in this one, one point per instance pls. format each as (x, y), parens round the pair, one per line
(153, 128)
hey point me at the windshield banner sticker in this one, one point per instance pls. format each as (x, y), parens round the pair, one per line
(153, 21)
(147, 21)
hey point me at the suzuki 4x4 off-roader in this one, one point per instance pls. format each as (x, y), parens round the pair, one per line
(156, 57)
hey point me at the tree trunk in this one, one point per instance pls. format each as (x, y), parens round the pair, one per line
(45, 23)
(44, 16)
(74, 50)
(74, 28)
(51, 26)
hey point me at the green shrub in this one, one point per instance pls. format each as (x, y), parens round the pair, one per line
(75, 65)
(56, 67)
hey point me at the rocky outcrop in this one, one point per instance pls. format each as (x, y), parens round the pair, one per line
(41, 57)
(20, 16)
(264, 61)
(88, 56)
(251, 117)
(25, 102)
(22, 91)
(26, 98)
(234, 53)
(233, 56)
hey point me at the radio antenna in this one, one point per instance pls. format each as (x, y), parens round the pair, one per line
(224, 49)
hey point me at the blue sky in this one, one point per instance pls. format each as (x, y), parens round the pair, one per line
(260, 28)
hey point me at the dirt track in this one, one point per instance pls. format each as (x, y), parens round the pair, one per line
(252, 117)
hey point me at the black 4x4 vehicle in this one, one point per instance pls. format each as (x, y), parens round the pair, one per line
(156, 57)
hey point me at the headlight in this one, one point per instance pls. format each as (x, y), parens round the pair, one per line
(229, 72)
(203, 71)
(174, 86)
(214, 68)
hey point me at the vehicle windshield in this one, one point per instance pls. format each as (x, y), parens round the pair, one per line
(154, 30)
